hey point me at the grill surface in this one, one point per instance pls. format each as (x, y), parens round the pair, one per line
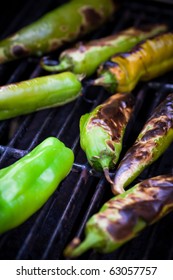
(82, 193)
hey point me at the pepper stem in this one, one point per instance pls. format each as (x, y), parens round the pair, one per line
(107, 176)
(117, 189)
(51, 65)
(107, 80)
(75, 248)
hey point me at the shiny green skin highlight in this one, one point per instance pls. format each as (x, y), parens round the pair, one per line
(38, 93)
(85, 58)
(28, 183)
(124, 216)
(63, 24)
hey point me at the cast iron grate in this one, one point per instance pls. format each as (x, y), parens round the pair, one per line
(82, 193)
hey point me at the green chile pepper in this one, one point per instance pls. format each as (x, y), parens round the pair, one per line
(124, 216)
(28, 183)
(85, 58)
(38, 93)
(102, 130)
(63, 24)
(144, 62)
(153, 140)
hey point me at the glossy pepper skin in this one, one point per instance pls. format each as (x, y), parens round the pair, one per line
(144, 62)
(102, 131)
(85, 58)
(38, 93)
(153, 140)
(28, 183)
(63, 24)
(125, 216)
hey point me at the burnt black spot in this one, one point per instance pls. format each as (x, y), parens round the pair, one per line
(153, 133)
(111, 145)
(138, 48)
(82, 29)
(125, 54)
(147, 210)
(146, 202)
(114, 114)
(92, 16)
(124, 226)
(110, 64)
(19, 51)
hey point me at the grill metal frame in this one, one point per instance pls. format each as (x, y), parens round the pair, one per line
(82, 193)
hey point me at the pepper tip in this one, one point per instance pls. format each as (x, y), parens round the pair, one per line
(69, 250)
(107, 175)
(117, 189)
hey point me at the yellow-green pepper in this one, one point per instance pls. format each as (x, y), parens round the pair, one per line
(147, 60)
(85, 58)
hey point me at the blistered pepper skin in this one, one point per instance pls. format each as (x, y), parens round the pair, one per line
(125, 216)
(144, 62)
(153, 140)
(102, 131)
(64, 24)
(37, 94)
(85, 58)
(28, 183)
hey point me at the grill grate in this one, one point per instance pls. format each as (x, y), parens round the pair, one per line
(82, 193)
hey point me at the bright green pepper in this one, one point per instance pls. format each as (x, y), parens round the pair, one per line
(125, 216)
(85, 58)
(28, 183)
(153, 140)
(38, 93)
(144, 62)
(102, 131)
(63, 24)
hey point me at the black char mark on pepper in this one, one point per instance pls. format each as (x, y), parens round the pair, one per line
(113, 116)
(145, 203)
(123, 226)
(19, 51)
(109, 64)
(92, 17)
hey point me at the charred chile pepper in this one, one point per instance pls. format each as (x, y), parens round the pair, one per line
(61, 25)
(102, 130)
(28, 183)
(38, 93)
(144, 62)
(153, 140)
(125, 216)
(85, 58)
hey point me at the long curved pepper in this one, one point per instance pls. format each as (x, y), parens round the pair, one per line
(37, 94)
(28, 183)
(85, 58)
(102, 131)
(124, 216)
(153, 140)
(144, 62)
(61, 25)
